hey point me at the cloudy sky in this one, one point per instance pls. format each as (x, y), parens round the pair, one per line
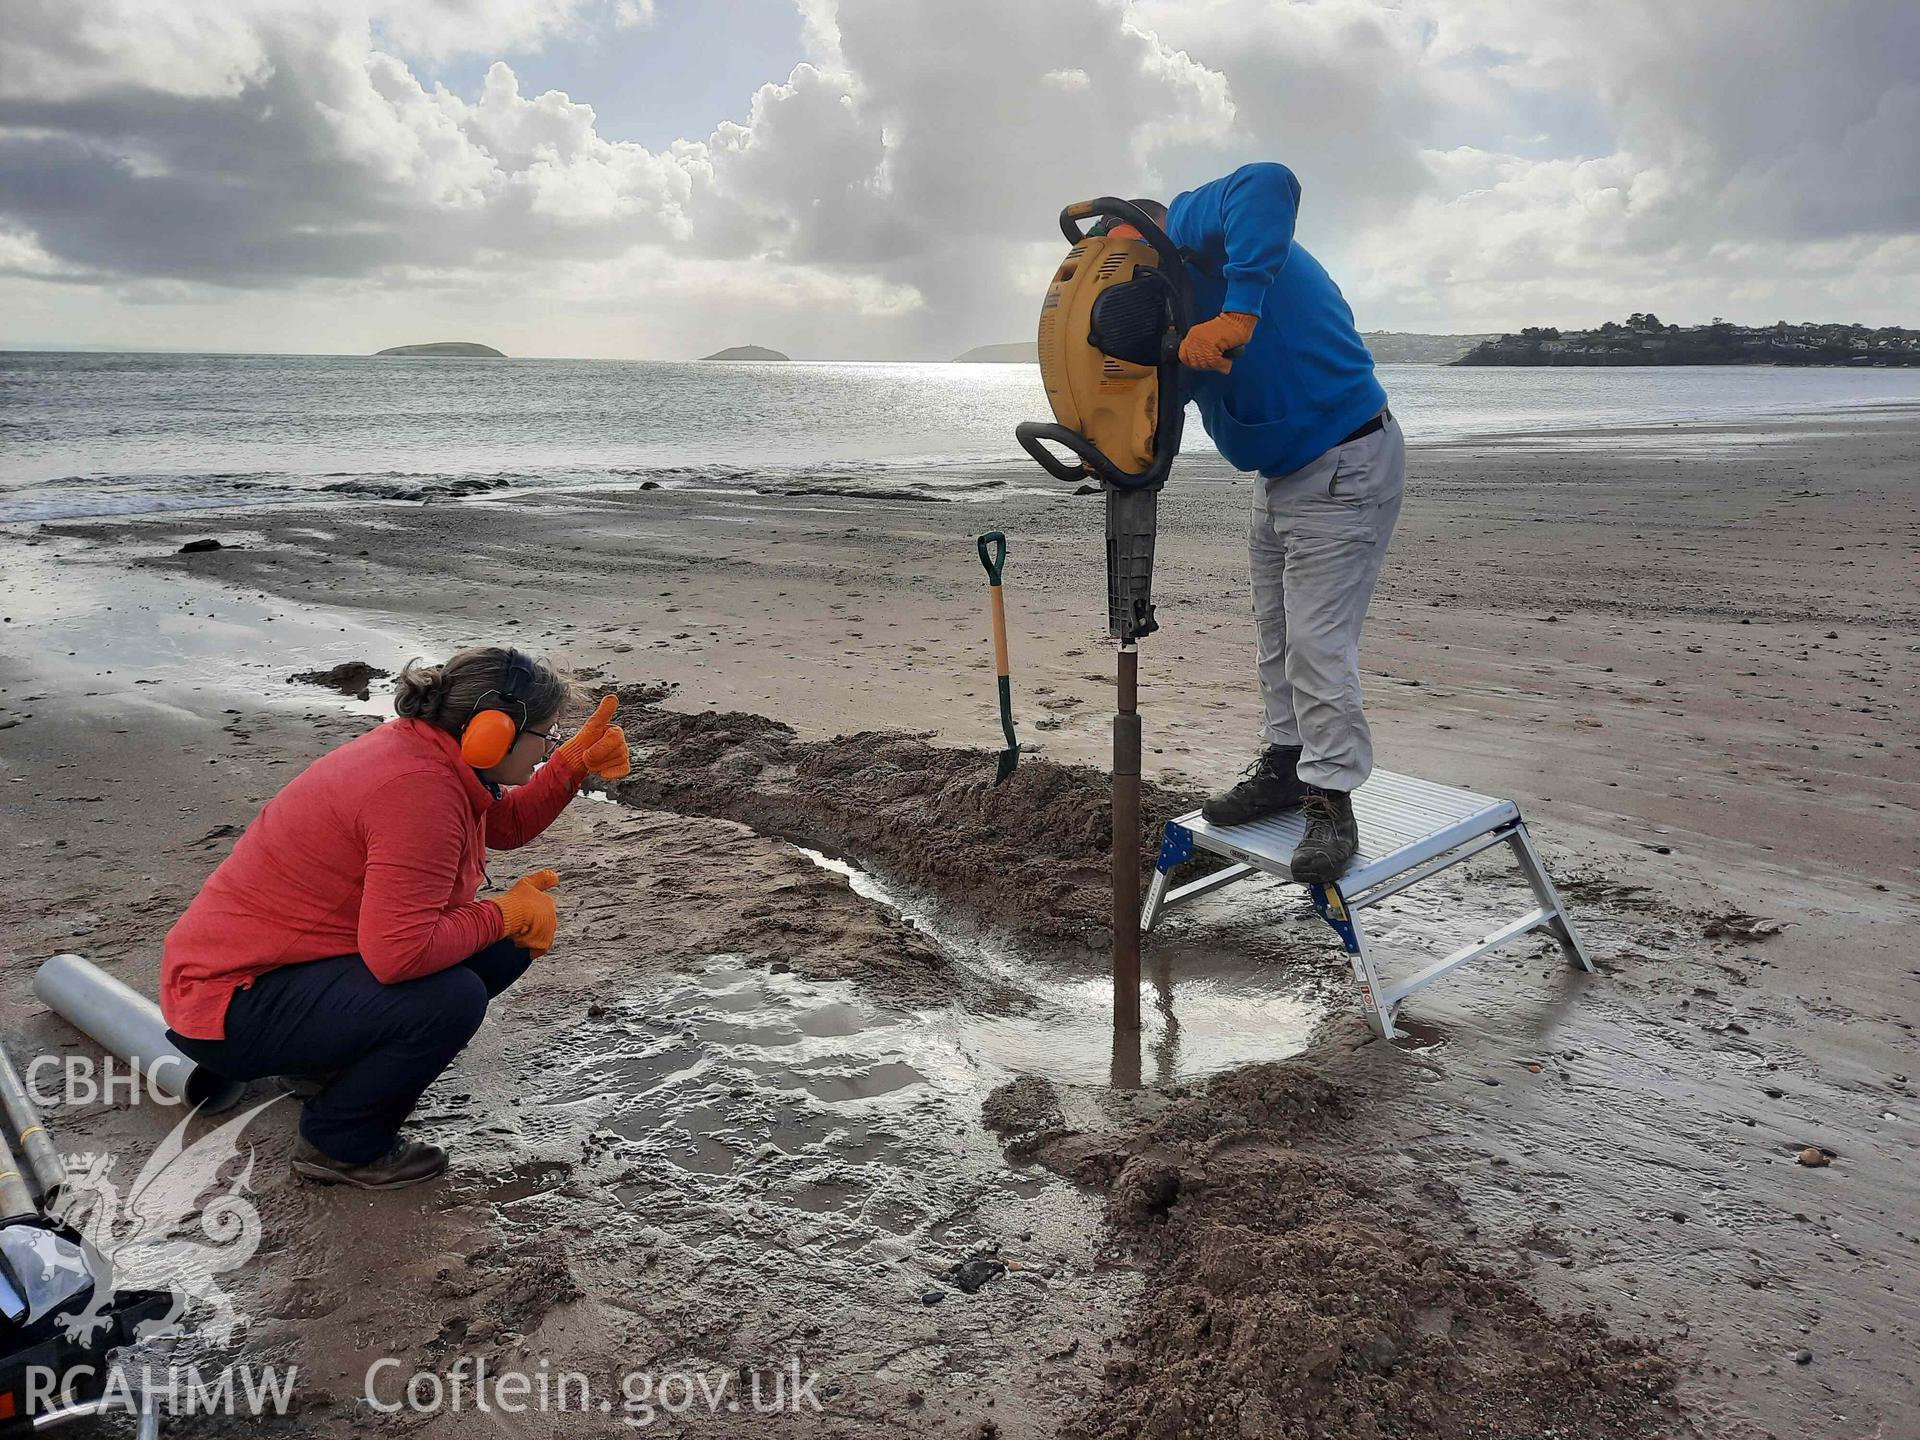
(878, 179)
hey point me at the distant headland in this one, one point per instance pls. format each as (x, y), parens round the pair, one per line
(1389, 347)
(460, 348)
(1403, 347)
(1644, 340)
(1017, 352)
(746, 352)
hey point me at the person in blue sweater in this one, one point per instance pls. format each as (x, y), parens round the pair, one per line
(1299, 406)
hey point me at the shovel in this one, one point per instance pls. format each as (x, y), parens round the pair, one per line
(993, 555)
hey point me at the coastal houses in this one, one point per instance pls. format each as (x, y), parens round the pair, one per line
(1644, 340)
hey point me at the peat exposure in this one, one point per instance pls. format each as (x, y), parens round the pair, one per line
(1289, 1300)
(1031, 854)
(353, 678)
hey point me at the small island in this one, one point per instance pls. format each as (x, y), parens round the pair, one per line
(459, 349)
(1644, 340)
(746, 352)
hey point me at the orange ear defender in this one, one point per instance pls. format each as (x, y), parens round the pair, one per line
(487, 737)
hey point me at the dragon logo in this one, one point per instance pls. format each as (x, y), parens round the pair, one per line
(142, 1240)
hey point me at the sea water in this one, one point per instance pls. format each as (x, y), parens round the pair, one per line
(107, 434)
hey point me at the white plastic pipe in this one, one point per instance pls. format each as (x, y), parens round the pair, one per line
(125, 1023)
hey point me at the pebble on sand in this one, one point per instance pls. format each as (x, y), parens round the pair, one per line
(1813, 1157)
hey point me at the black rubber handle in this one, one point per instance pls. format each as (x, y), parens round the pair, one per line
(1032, 433)
(1127, 213)
(993, 562)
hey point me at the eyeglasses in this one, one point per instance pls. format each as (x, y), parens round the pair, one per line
(551, 738)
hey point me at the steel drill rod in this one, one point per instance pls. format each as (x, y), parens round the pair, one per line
(1126, 844)
(35, 1145)
(16, 1200)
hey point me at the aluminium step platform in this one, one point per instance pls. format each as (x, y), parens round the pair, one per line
(1410, 831)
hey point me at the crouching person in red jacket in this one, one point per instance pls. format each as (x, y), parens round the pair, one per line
(341, 944)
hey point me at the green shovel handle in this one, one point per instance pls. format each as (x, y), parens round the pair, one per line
(995, 561)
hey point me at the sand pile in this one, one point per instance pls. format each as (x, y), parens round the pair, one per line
(1033, 854)
(1289, 1300)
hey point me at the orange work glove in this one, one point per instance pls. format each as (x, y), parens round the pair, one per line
(599, 747)
(1203, 347)
(527, 912)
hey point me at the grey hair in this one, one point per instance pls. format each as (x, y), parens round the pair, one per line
(449, 695)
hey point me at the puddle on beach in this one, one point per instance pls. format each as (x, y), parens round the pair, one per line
(759, 1119)
(149, 638)
(1204, 1007)
(850, 1124)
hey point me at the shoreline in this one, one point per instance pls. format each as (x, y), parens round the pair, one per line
(1635, 650)
(963, 479)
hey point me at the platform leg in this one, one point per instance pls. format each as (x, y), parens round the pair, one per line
(1176, 848)
(1548, 898)
(1333, 909)
(1379, 1015)
(1156, 900)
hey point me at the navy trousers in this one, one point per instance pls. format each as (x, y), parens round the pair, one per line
(382, 1044)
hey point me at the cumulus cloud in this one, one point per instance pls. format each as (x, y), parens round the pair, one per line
(299, 151)
(1466, 163)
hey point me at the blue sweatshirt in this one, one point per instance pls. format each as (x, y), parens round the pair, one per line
(1305, 381)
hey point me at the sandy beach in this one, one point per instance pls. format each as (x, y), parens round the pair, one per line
(767, 1092)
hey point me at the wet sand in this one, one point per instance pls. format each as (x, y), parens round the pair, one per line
(1687, 653)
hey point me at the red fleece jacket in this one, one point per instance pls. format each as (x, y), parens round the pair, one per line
(376, 849)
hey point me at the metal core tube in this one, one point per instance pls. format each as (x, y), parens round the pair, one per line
(16, 1200)
(23, 1124)
(1126, 844)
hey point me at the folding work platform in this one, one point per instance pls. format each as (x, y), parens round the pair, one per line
(1410, 830)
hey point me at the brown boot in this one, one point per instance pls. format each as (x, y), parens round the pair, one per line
(1268, 787)
(1332, 838)
(408, 1163)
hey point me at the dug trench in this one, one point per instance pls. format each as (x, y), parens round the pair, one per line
(1032, 855)
(1280, 1291)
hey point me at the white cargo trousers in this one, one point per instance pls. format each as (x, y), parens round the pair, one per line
(1317, 540)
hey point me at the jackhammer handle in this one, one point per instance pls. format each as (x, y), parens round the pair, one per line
(1234, 354)
(1127, 213)
(1030, 434)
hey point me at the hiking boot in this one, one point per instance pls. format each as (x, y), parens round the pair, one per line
(1332, 837)
(1268, 787)
(407, 1163)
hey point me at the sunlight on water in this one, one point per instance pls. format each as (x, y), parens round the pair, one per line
(103, 434)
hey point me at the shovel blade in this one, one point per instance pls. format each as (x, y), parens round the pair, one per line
(1009, 759)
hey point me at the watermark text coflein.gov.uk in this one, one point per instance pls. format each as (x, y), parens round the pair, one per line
(645, 1396)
